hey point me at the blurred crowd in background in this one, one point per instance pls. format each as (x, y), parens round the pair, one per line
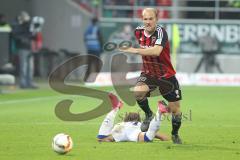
(28, 56)
(25, 40)
(128, 11)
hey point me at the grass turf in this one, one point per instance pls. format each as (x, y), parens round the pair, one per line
(28, 123)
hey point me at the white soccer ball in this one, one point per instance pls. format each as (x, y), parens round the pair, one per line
(62, 143)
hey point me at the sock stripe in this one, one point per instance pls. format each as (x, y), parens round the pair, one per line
(146, 139)
(101, 136)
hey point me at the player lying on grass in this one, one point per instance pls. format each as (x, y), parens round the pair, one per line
(130, 128)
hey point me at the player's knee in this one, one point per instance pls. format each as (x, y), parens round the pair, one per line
(174, 107)
(140, 92)
(139, 95)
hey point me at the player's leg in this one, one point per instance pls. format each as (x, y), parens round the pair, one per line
(107, 125)
(104, 133)
(141, 91)
(162, 137)
(152, 130)
(176, 121)
(173, 97)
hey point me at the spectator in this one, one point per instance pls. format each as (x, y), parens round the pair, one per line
(93, 42)
(210, 47)
(23, 40)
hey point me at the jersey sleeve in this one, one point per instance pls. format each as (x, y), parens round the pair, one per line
(162, 37)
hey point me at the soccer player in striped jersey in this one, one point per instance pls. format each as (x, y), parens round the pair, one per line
(157, 70)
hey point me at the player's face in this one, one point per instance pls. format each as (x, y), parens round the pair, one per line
(150, 21)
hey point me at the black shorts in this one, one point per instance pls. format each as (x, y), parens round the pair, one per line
(168, 87)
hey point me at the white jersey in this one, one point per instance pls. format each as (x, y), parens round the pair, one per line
(126, 131)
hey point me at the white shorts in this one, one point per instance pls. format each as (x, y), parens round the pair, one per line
(126, 131)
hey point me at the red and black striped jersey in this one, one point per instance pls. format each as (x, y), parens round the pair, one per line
(157, 66)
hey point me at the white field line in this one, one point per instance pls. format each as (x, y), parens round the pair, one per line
(35, 99)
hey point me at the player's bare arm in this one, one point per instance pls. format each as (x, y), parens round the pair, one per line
(152, 51)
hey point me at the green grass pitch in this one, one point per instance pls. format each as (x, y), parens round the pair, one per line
(28, 124)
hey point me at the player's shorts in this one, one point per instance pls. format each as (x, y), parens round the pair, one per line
(168, 87)
(126, 131)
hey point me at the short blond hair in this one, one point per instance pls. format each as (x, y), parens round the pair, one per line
(154, 10)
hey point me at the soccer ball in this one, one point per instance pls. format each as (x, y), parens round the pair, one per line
(62, 143)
